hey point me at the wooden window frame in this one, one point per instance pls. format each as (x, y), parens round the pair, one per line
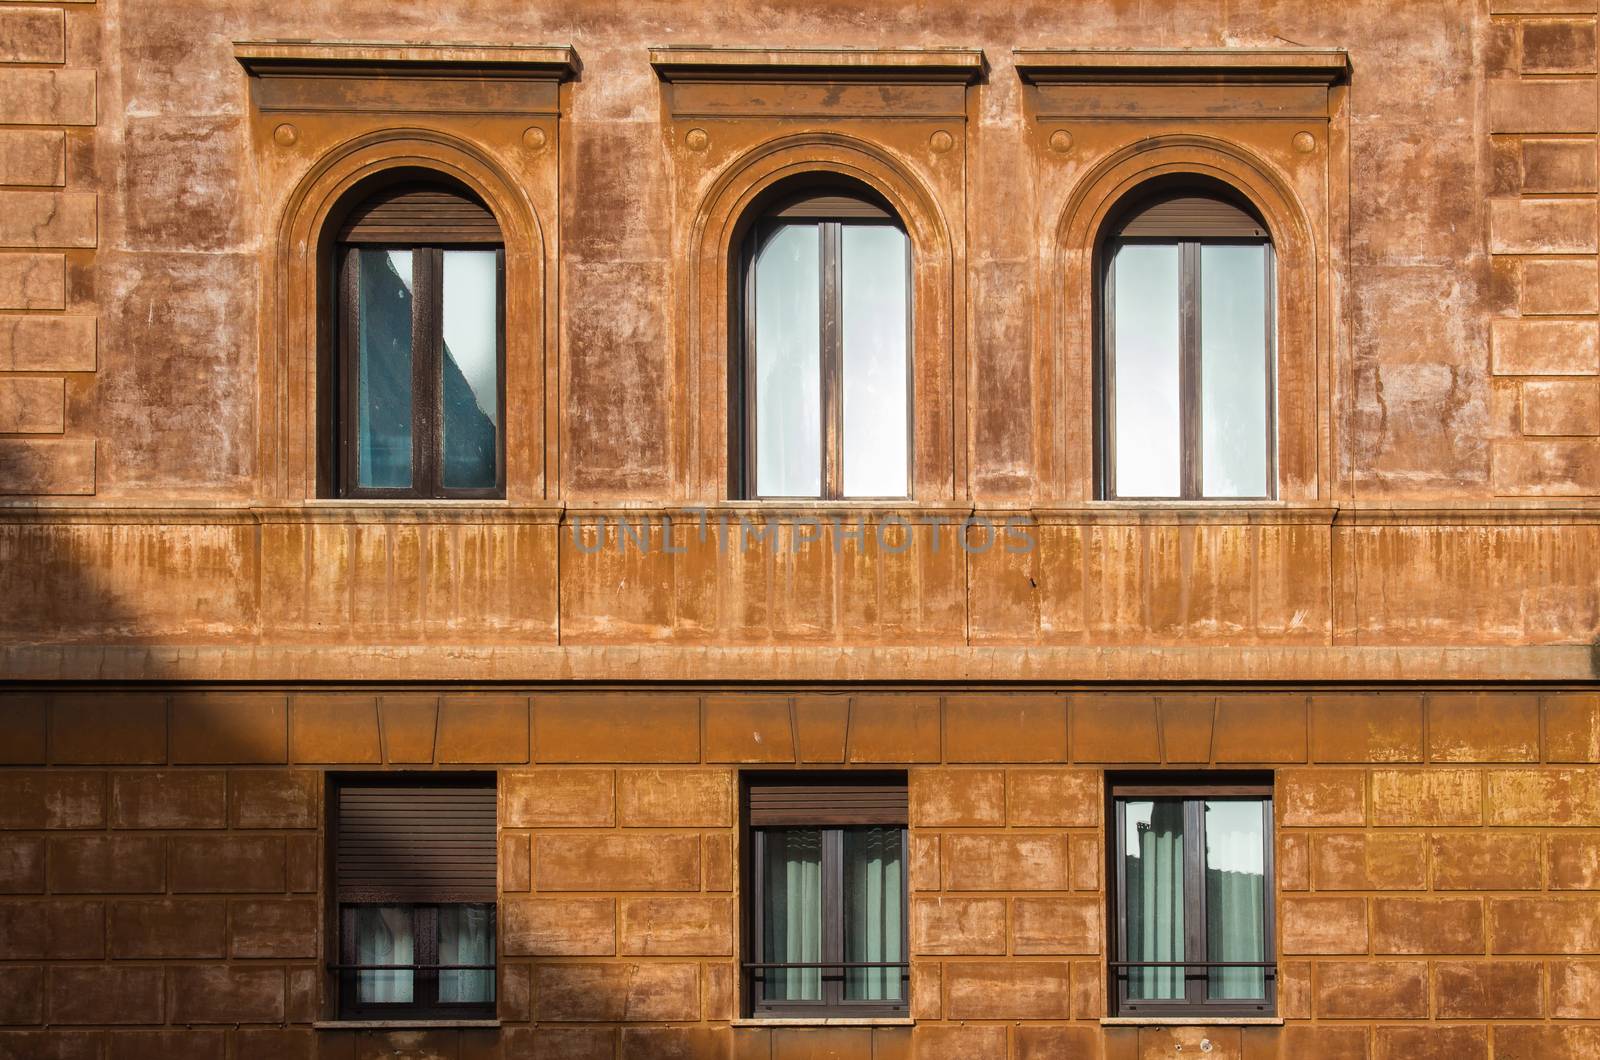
(427, 357)
(344, 963)
(1194, 793)
(1191, 430)
(821, 787)
(832, 213)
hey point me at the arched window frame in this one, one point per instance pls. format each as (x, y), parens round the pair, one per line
(427, 215)
(832, 206)
(1190, 213)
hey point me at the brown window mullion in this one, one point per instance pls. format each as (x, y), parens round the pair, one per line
(832, 365)
(1189, 368)
(833, 915)
(427, 361)
(349, 370)
(1195, 980)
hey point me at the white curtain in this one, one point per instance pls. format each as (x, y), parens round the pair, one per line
(873, 909)
(1236, 896)
(466, 936)
(383, 936)
(793, 922)
(1154, 877)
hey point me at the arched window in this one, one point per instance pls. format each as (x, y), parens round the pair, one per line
(825, 366)
(420, 378)
(1187, 407)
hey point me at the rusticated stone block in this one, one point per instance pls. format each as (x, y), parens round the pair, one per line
(1224, 1043)
(1543, 797)
(1037, 1042)
(1085, 857)
(410, 724)
(893, 729)
(607, 728)
(1549, 468)
(227, 863)
(676, 798)
(1065, 798)
(1294, 861)
(1321, 798)
(47, 466)
(1429, 796)
(1115, 728)
(1485, 861)
(273, 798)
(1261, 729)
(562, 1043)
(748, 729)
(36, 157)
(47, 97)
(800, 1043)
(334, 728)
(1005, 862)
(54, 930)
(23, 728)
(954, 798)
(926, 1000)
(103, 994)
(58, 799)
(21, 995)
(168, 1045)
(1548, 1041)
(558, 798)
(1489, 989)
(1560, 285)
(716, 852)
(719, 993)
(1427, 925)
(48, 344)
(923, 873)
(651, 862)
(1324, 925)
(107, 864)
(516, 861)
(168, 928)
(37, 219)
(1558, 46)
(1009, 728)
(1186, 727)
(1484, 727)
(1574, 861)
(1372, 727)
(1372, 990)
(31, 405)
(108, 729)
(168, 799)
(226, 728)
(1432, 1043)
(31, 281)
(1572, 727)
(1557, 166)
(1007, 990)
(1380, 861)
(278, 928)
(227, 994)
(611, 993)
(1542, 226)
(958, 926)
(482, 729)
(1559, 407)
(264, 1043)
(1574, 990)
(822, 725)
(1544, 925)
(1053, 926)
(676, 927)
(1294, 990)
(945, 1041)
(1545, 347)
(303, 856)
(37, 36)
(1517, 106)
(678, 1043)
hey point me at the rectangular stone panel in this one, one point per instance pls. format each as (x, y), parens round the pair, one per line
(48, 219)
(676, 926)
(622, 728)
(1005, 729)
(1518, 106)
(38, 467)
(560, 927)
(1005, 862)
(950, 926)
(1007, 990)
(63, 343)
(588, 993)
(1566, 467)
(617, 862)
(1555, 286)
(558, 798)
(1556, 407)
(1559, 166)
(1546, 347)
(1542, 226)
(36, 157)
(32, 36)
(47, 97)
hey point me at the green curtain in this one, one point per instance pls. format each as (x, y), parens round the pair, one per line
(793, 917)
(383, 936)
(1235, 896)
(873, 911)
(466, 936)
(1154, 881)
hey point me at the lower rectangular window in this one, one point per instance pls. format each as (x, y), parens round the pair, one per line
(827, 891)
(1193, 899)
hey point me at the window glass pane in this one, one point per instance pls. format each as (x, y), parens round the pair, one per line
(383, 936)
(466, 936)
(788, 360)
(1233, 370)
(874, 911)
(1236, 896)
(874, 324)
(1153, 870)
(383, 403)
(1147, 436)
(471, 383)
(792, 919)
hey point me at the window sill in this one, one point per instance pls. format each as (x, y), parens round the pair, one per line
(403, 1025)
(825, 1021)
(1191, 1021)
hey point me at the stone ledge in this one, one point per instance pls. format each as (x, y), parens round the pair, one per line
(1191, 1021)
(825, 1021)
(403, 1025)
(678, 63)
